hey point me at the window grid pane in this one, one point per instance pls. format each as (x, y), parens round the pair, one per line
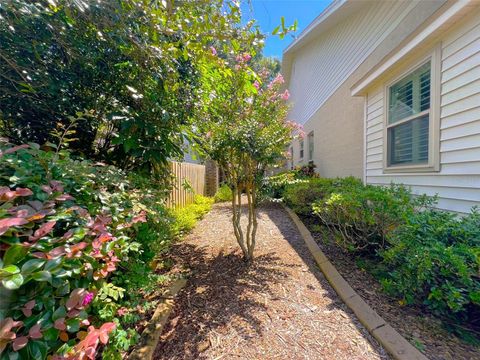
(410, 96)
(408, 142)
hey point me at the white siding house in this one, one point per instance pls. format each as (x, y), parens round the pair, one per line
(450, 165)
(324, 62)
(390, 91)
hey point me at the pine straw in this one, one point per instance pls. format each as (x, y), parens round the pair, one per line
(280, 307)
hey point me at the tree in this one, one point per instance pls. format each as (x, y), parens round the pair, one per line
(131, 65)
(246, 131)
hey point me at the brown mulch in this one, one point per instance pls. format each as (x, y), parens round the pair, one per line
(414, 323)
(279, 307)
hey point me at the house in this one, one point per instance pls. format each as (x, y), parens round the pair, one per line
(389, 91)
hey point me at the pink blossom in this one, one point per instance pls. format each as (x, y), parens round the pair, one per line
(285, 95)
(213, 50)
(278, 79)
(87, 299)
(246, 57)
(256, 85)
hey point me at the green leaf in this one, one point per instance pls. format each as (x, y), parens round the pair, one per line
(42, 276)
(52, 264)
(14, 253)
(13, 282)
(37, 349)
(276, 30)
(9, 270)
(61, 312)
(50, 334)
(32, 265)
(73, 325)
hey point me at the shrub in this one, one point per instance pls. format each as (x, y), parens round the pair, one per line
(434, 259)
(66, 226)
(56, 258)
(300, 196)
(307, 171)
(363, 215)
(185, 218)
(224, 193)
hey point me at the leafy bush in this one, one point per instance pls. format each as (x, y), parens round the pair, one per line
(274, 186)
(363, 215)
(301, 194)
(223, 194)
(434, 259)
(56, 258)
(307, 171)
(66, 226)
(187, 217)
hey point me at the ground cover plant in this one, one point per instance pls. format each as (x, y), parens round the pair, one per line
(420, 255)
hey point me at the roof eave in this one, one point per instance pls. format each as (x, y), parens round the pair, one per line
(443, 20)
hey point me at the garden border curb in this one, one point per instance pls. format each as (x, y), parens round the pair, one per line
(387, 336)
(151, 334)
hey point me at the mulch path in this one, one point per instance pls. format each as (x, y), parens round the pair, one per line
(280, 307)
(413, 323)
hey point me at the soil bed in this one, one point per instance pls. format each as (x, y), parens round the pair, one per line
(279, 307)
(413, 323)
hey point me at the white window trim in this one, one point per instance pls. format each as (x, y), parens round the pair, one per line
(433, 164)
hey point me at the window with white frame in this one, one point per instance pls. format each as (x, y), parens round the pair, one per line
(408, 118)
(301, 149)
(412, 133)
(310, 146)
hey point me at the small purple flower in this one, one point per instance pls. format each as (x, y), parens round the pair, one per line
(213, 50)
(87, 299)
(256, 85)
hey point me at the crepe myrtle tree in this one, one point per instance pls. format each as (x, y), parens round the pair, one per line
(246, 131)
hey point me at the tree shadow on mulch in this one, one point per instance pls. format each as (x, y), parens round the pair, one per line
(285, 225)
(217, 294)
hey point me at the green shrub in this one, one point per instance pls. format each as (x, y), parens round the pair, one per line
(66, 227)
(81, 221)
(362, 215)
(300, 196)
(274, 186)
(224, 193)
(434, 259)
(186, 218)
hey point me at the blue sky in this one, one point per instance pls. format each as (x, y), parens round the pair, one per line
(269, 12)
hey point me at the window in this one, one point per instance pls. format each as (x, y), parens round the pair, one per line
(301, 149)
(310, 146)
(411, 124)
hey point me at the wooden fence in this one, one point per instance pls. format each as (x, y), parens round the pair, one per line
(189, 179)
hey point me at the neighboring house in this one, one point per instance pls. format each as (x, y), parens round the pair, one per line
(390, 92)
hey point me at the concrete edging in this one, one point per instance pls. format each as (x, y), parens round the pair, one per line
(387, 336)
(151, 334)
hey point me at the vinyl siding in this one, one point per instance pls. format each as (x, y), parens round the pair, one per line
(458, 181)
(322, 65)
